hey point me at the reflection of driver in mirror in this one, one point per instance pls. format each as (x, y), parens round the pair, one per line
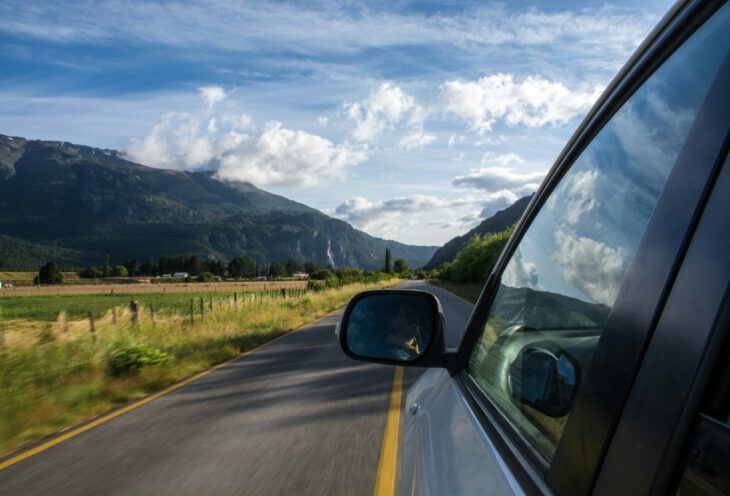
(404, 339)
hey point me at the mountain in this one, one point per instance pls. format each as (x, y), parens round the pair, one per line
(75, 204)
(498, 222)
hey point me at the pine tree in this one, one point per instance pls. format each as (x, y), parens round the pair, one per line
(388, 266)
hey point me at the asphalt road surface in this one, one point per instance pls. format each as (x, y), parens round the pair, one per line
(296, 417)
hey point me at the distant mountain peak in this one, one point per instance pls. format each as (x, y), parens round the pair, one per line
(82, 203)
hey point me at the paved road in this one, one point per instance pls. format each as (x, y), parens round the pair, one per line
(296, 417)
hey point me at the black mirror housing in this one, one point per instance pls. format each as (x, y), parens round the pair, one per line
(394, 326)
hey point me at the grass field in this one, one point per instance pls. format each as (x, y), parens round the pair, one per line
(47, 308)
(57, 373)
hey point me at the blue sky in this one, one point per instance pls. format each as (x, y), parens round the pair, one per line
(410, 120)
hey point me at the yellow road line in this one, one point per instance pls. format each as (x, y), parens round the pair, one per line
(385, 480)
(75, 432)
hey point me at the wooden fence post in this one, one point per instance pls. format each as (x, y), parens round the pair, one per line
(192, 313)
(202, 309)
(152, 313)
(114, 315)
(2, 335)
(92, 329)
(134, 308)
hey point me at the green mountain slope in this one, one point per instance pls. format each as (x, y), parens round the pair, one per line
(496, 223)
(82, 203)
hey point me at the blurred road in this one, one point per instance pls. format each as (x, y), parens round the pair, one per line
(296, 417)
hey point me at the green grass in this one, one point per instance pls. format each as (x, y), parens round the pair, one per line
(52, 377)
(47, 308)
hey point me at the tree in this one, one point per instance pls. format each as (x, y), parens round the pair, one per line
(49, 274)
(120, 271)
(388, 268)
(241, 266)
(107, 269)
(400, 266)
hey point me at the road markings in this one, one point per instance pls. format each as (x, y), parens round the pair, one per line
(385, 479)
(75, 432)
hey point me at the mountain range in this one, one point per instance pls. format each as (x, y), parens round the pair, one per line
(75, 204)
(498, 222)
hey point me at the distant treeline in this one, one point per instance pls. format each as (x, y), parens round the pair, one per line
(239, 267)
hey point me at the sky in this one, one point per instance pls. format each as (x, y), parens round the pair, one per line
(412, 121)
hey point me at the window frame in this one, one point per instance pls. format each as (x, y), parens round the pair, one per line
(635, 311)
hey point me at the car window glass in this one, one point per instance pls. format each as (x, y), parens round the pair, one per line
(705, 468)
(560, 284)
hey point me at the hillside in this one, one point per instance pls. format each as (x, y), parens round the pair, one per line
(76, 203)
(498, 222)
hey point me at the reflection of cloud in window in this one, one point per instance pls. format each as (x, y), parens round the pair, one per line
(579, 195)
(592, 267)
(520, 273)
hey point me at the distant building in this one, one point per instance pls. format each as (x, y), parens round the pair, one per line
(300, 275)
(1, 284)
(262, 278)
(180, 274)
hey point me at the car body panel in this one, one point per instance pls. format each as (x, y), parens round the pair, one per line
(445, 450)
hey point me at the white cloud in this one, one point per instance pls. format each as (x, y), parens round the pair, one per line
(388, 217)
(226, 142)
(415, 140)
(389, 108)
(591, 266)
(281, 156)
(579, 195)
(532, 102)
(499, 178)
(212, 95)
(521, 273)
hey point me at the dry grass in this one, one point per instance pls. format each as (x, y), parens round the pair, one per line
(55, 374)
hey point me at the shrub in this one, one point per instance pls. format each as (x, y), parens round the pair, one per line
(120, 271)
(315, 286)
(127, 359)
(204, 277)
(477, 259)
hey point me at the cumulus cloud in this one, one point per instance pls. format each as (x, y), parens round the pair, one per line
(212, 95)
(591, 266)
(229, 144)
(284, 157)
(500, 179)
(520, 273)
(532, 102)
(388, 108)
(386, 217)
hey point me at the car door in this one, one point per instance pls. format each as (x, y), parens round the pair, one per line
(557, 337)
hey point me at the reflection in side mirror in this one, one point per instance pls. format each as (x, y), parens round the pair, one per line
(390, 326)
(544, 379)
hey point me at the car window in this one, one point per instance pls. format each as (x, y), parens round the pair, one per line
(705, 468)
(560, 284)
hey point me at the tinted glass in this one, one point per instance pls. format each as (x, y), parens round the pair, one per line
(560, 284)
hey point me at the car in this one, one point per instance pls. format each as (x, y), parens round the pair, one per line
(596, 358)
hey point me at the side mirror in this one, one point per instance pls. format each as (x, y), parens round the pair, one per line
(544, 378)
(401, 327)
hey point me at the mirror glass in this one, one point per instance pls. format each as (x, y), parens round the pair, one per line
(394, 326)
(544, 380)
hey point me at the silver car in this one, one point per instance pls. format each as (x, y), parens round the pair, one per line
(596, 358)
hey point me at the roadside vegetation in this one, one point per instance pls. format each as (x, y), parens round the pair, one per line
(468, 272)
(54, 373)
